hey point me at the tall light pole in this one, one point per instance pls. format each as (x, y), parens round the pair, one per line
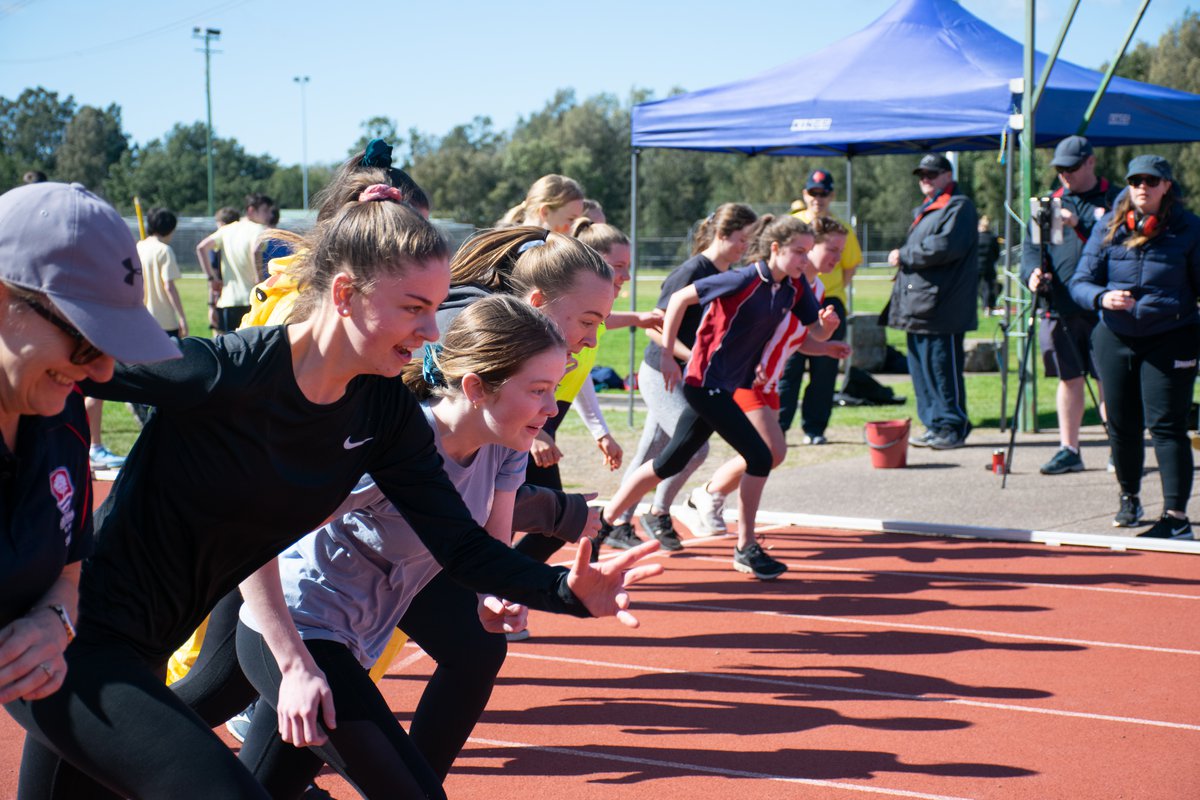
(303, 81)
(208, 35)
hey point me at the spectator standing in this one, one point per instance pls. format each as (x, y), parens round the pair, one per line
(1140, 270)
(238, 244)
(1066, 337)
(160, 270)
(933, 301)
(989, 254)
(819, 195)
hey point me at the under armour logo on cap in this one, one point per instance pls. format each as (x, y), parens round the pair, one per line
(130, 271)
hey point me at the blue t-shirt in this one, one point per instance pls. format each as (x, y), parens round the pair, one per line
(742, 307)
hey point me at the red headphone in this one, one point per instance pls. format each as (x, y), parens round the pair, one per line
(1145, 224)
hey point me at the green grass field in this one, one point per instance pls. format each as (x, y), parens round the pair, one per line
(983, 389)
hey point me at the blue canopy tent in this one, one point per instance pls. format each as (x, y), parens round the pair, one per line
(926, 75)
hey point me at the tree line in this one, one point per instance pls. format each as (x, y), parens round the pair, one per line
(475, 172)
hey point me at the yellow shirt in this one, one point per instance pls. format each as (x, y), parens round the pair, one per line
(835, 282)
(572, 382)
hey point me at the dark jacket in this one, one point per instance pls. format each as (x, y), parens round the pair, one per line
(1163, 274)
(1064, 258)
(934, 289)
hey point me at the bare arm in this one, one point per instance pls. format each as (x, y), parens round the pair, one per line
(176, 306)
(31, 648)
(679, 302)
(303, 690)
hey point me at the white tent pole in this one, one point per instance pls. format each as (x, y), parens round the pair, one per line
(633, 281)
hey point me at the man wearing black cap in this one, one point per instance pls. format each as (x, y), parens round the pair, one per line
(818, 397)
(1066, 336)
(933, 301)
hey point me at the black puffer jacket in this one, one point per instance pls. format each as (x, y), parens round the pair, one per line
(1163, 275)
(934, 289)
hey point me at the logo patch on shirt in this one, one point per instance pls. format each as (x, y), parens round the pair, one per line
(349, 445)
(1185, 364)
(64, 492)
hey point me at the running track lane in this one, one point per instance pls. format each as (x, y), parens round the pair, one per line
(880, 666)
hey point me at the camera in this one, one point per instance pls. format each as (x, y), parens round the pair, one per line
(1045, 220)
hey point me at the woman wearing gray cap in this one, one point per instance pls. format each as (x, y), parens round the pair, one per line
(70, 302)
(1141, 271)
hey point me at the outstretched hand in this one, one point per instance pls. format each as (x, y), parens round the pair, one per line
(601, 586)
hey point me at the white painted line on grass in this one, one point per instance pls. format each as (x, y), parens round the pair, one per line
(794, 685)
(934, 628)
(704, 769)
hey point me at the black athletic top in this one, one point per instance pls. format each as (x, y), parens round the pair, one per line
(237, 464)
(45, 505)
(697, 267)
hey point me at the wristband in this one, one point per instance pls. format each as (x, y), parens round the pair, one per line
(65, 619)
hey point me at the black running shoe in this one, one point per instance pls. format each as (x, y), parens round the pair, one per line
(606, 528)
(659, 526)
(1130, 513)
(622, 537)
(754, 561)
(1169, 527)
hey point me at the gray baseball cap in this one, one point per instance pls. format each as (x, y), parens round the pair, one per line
(66, 243)
(1070, 151)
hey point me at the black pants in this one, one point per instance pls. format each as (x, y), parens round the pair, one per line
(1148, 384)
(535, 545)
(822, 378)
(116, 720)
(709, 411)
(369, 747)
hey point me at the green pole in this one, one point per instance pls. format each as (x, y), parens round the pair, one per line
(1112, 68)
(208, 35)
(1062, 34)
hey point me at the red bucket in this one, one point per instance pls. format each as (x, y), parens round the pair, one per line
(888, 440)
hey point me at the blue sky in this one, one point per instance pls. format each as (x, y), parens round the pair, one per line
(434, 65)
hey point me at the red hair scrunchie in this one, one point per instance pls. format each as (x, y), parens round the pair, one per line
(380, 191)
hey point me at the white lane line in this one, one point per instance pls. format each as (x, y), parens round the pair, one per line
(935, 628)
(704, 769)
(793, 685)
(939, 576)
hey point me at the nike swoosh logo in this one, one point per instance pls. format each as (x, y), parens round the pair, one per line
(349, 445)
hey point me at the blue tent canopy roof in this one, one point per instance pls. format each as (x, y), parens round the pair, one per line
(927, 75)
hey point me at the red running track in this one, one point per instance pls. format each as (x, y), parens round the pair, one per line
(880, 666)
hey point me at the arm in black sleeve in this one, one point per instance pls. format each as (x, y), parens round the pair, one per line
(178, 383)
(539, 509)
(414, 481)
(1090, 281)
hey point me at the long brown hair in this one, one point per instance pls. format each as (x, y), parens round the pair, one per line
(493, 338)
(729, 218)
(365, 239)
(775, 230)
(519, 260)
(1121, 213)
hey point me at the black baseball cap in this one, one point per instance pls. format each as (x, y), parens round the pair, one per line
(933, 162)
(819, 179)
(1071, 151)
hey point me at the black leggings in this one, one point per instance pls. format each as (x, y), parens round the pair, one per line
(535, 545)
(712, 410)
(116, 720)
(369, 747)
(1148, 384)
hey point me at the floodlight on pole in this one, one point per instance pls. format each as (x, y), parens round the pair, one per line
(208, 36)
(302, 80)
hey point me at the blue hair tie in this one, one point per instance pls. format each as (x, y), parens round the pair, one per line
(532, 243)
(378, 154)
(431, 373)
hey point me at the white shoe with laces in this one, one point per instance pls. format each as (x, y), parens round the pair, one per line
(711, 510)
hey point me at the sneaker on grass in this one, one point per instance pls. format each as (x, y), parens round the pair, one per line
(103, 458)
(711, 509)
(1169, 527)
(755, 561)
(1064, 461)
(659, 526)
(1130, 513)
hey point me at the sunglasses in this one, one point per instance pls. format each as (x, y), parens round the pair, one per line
(1150, 180)
(817, 193)
(927, 175)
(1070, 170)
(85, 352)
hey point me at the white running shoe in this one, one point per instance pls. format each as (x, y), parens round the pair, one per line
(710, 508)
